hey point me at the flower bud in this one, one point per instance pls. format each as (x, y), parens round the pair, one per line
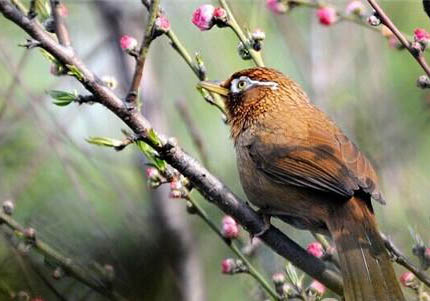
(355, 7)
(203, 17)
(277, 7)
(176, 185)
(8, 207)
(30, 233)
(152, 173)
(258, 35)
(318, 288)
(175, 194)
(220, 17)
(407, 279)
(109, 272)
(128, 43)
(23, 296)
(228, 266)
(278, 278)
(327, 15)
(315, 249)
(58, 273)
(161, 25)
(230, 229)
(374, 20)
(421, 35)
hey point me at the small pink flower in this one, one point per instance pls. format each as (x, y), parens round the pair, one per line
(318, 287)
(406, 278)
(220, 13)
(227, 266)
(355, 7)
(175, 194)
(276, 7)
(315, 249)
(421, 35)
(162, 24)
(427, 253)
(278, 278)
(128, 43)
(151, 172)
(176, 185)
(203, 17)
(327, 15)
(37, 299)
(230, 228)
(64, 11)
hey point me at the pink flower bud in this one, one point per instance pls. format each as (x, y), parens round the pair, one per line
(220, 13)
(30, 233)
(278, 278)
(327, 15)
(355, 7)
(276, 6)
(227, 266)
(162, 24)
(64, 11)
(407, 278)
(175, 194)
(176, 185)
(128, 43)
(37, 299)
(421, 35)
(230, 228)
(258, 35)
(315, 249)
(203, 17)
(318, 287)
(151, 172)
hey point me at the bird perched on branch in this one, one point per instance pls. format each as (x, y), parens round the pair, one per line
(296, 164)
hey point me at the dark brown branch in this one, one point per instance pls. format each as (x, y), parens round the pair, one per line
(208, 185)
(418, 55)
(59, 24)
(141, 58)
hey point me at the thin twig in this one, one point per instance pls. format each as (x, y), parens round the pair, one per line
(418, 55)
(59, 24)
(193, 130)
(131, 98)
(404, 261)
(69, 265)
(208, 185)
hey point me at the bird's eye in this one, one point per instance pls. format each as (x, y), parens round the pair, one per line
(241, 84)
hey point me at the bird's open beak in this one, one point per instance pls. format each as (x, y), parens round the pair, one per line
(214, 86)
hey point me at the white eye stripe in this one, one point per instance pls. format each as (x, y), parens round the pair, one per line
(234, 88)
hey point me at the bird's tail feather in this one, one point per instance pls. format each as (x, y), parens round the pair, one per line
(366, 267)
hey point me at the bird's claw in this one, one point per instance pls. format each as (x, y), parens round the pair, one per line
(266, 219)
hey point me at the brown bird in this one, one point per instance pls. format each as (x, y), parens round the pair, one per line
(296, 164)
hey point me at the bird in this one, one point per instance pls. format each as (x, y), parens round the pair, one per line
(296, 164)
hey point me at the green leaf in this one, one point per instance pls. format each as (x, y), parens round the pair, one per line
(152, 155)
(74, 71)
(43, 8)
(153, 137)
(63, 98)
(292, 275)
(104, 141)
(50, 57)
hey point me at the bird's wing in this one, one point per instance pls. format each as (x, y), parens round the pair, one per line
(325, 160)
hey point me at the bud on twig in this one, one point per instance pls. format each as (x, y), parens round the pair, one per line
(374, 19)
(233, 266)
(58, 273)
(423, 82)
(30, 234)
(8, 207)
(230, 228)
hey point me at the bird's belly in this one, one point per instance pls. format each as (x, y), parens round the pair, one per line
(299, 207)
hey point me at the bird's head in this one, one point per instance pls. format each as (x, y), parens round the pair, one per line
(252, 92)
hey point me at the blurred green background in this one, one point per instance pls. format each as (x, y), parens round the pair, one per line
(93, 204)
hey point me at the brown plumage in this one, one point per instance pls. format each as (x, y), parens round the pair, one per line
(295, 163)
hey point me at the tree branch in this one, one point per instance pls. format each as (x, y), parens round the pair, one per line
(208, 185)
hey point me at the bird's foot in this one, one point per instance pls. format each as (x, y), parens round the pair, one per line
(266, 219)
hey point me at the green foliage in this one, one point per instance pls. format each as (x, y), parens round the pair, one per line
(62, 98)
(152, 155)
(104, 141)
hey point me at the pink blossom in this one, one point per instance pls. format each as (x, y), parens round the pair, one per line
(176, 185)
(203, 17)
(355, 7)
(220, 13)
(230, 228)
(421, 35)
(327, 15)
(227, 266)
(318, 287)
(278, 278)
(276, 7)
(63, 10)
(162, 24)
(151, 172)
(37, 299)
(128, 43)
(175, 194)
(315, 249)
(406, 278)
